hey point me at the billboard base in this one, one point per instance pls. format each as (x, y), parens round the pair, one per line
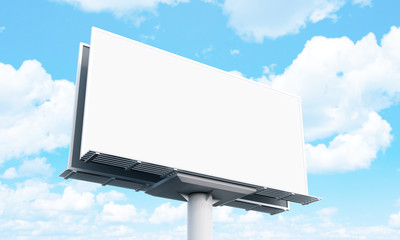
(171, 183)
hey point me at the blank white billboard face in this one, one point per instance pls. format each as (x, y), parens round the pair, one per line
(146, 104)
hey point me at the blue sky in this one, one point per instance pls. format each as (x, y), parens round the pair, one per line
(342, 57)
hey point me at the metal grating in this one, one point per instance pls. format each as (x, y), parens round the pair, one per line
(152, 168)
(126, 163)
(274, 193)
(288, 196)
(107, 159)
(302, 199)
(89, 156)
(267, 200)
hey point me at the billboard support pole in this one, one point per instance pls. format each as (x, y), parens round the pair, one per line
(199, 222)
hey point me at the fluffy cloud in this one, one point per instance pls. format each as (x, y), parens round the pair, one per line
(35, 210)
(70, 200)
(234, 51)
(341, 82)
(132, 9)
(372, 136)
(17, 202)
(318, 225)
(223, 214)
(394, 220)
(325, 216)
(119, 231)
(35, 110)
(363, 3)
(33, 198)
(62, 218)
(253, 20)
(81, 186)
(121, 213)
(167, 213)
(29, 168)
(343, 86)
(10, 173)
(250, 217)
(110, 196)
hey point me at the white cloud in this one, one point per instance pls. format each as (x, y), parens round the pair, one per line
(121, 213)
(394, 220)
(250, 216)
(372, 232)
(81, 186)
(70, 200)
(2, 29)
(110, 196)
(21, 219)
(131, 9)
(119, 231)
(253, 20)
(17, 202)
(34, 167)
(319, 225)
(36, 110)
(234, 51)
(167, 213)
(205, 52)
(363, 3)
(325, 212)
(237, 73)
(341, 82)
(343, 86)
(10, 173)
(33, 199)
(340, 155)
(29, 168)
(222, 214)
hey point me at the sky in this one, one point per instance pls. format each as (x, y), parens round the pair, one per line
(342, 57)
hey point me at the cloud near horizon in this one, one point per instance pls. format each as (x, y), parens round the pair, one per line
(34, 210)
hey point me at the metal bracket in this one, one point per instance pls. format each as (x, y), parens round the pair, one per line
(92, 157)
(143, 187)
(130, 167)
(69, 174)
(185, 196)
(108, 181)
(220, 204)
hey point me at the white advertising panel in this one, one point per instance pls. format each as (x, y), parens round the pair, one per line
(146, 104)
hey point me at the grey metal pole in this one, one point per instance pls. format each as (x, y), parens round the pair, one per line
(199, 221)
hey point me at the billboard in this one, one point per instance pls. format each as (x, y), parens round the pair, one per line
(146, 118)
